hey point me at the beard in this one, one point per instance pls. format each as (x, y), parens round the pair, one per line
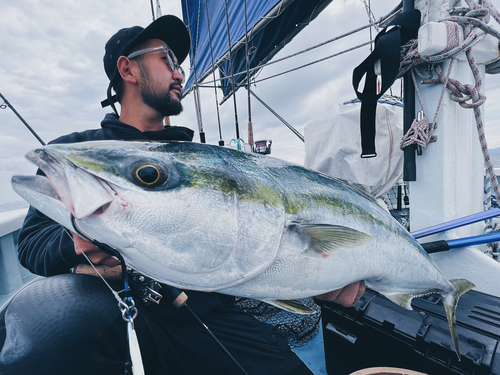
(160, 101)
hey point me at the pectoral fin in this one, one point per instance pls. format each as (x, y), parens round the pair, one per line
(292, 306)
(326, 238)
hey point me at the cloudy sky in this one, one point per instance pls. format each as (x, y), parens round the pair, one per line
(51, 72)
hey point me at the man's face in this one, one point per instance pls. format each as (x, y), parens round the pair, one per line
(161, 88)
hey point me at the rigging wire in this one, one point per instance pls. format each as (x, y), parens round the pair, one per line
(221, 141)
(291, 70)
(294, 131)
(371, 24)
(371, 18)
(322, 44)
(303, 51)
(232, 72)
(211, 83)
(315, 62)
(371, 35)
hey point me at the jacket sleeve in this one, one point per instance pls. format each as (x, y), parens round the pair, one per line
(45, 247)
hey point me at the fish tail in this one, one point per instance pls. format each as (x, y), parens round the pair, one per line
(450, 301)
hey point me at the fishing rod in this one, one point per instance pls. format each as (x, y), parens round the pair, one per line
(6, 103)
(444, 245)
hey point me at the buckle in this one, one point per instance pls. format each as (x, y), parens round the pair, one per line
(151, 295)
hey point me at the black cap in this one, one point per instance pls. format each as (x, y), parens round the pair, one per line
(168, 28)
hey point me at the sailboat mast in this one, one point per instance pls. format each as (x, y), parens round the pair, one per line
(409, 166)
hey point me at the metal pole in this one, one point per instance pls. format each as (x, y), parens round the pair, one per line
(409, 168)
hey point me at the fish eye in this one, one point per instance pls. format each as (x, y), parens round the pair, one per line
(149, 175)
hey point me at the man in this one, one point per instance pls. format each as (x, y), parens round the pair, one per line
(71, 323)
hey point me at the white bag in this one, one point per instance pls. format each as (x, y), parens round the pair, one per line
(333, 146)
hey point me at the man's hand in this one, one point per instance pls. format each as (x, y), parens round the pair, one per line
(92, 252)
(347, 296)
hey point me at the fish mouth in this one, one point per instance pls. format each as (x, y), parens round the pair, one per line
(82, 193)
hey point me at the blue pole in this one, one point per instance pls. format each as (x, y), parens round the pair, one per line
(474, 218)
(443, 245)
(475, 240)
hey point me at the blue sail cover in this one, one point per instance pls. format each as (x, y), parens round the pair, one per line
(271, 25)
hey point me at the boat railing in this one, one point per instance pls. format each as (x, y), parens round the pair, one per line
(13, 276)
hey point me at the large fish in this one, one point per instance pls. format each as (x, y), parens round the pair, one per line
(209, 218)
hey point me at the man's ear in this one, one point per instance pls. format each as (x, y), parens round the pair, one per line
(127, 69)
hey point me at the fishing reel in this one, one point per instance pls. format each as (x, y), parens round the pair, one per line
(145, 289)
(262, 147)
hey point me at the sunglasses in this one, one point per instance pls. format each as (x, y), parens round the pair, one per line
(171, 60)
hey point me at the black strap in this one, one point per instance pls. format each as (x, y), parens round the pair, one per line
(107, 102)
(388, 50)
(111, 100)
